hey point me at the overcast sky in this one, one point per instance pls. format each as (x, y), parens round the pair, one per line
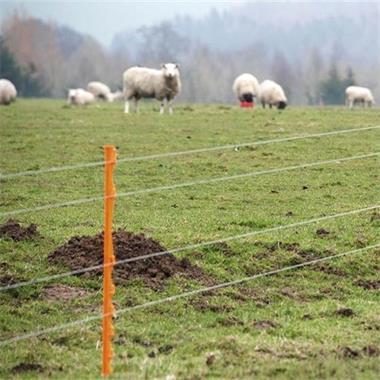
(102, 19)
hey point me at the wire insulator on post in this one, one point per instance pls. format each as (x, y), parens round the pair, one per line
(109, 258)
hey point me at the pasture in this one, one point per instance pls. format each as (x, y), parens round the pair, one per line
(316, 321)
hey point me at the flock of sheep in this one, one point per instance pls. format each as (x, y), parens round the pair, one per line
(165, 84)
(247, 89)
(95, 90)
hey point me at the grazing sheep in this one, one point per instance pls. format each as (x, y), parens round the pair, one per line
(142, 82)
(271, 93)
(356, 94)
(100, 91)
(80, 97)
(246, 88)
(8, 92)
(117, 95)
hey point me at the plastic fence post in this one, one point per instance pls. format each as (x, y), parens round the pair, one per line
(109, 258)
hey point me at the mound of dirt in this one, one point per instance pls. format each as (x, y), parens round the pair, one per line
(86, 251)
(15, 231)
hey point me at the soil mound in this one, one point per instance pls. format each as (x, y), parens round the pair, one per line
(15, 231)
(85, 251)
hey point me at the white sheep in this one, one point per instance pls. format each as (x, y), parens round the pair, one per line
(356, 94)
(142, 82)
(271, 93)
(246, 88)
(8, 92)
(100, 91)
(117, 95)
(80, 97)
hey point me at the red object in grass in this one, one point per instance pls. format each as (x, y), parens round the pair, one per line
(247, 104)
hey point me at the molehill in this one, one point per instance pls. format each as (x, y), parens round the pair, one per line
(86, 251)
(14, 230)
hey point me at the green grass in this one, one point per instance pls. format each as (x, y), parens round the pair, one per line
(309, 340)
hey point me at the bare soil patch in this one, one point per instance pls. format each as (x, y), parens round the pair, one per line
(293, 294)
(345, 312)
(263, 325)
(322, 232)
(24, 367)
(202, 304)
(60, 292)
(369, 351)
(301, 255)
(230, 321)
(368, 284)
(210, 360)
(86, 251)
(260, 297)
(8, 279)
(14, 230)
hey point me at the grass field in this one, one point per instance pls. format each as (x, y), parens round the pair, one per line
(320, 321)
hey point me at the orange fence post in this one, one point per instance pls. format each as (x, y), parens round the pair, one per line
(109, 258)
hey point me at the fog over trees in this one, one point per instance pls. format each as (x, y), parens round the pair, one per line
(312, 49)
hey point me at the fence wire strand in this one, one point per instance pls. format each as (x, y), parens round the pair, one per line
(188, 184)
(65, 326)
(181, 153)
(89, 319)
(188, 247)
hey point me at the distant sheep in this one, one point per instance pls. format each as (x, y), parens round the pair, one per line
(271, 93)
(100, 91)
(142, 82)
(117, 95)
(80, 97)
(8, 92)
(246, 88)
(356, 94)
